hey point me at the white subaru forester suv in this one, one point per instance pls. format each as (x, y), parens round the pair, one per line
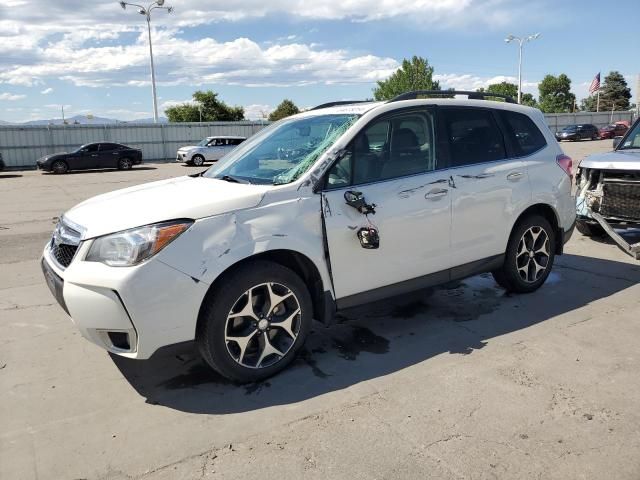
(335, 207)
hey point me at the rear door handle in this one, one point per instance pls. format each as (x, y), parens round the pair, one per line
(514, 176)
(436, 193)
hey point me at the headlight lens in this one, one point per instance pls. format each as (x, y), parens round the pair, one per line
(124, 249)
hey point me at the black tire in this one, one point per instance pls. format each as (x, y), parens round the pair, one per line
(125, 164)
(59, 167)
(590, 229)
(218, 306)
(197, 160)
(510, 277)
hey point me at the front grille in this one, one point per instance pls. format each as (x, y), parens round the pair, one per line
(621, 200)
(65, 242)
(63, 253)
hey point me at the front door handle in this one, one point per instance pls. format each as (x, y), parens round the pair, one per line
(436, 193)
(515, 176)
(94, 155)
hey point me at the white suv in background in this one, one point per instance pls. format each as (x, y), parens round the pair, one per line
(208, 150)
(335, 207)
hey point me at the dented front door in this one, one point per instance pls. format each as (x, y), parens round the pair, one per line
(413, 219)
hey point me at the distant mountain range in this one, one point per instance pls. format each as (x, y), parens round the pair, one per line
(83, 120)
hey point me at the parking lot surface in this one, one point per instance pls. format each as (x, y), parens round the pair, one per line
(462, 381)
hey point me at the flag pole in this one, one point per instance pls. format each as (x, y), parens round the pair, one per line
(598, 102)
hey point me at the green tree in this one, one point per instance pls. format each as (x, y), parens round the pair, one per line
(207, 103)
(589, 104)
(555, 94)
(614, 94)
(285, 109)
(504, 88)
(414, 74)
(511, 90)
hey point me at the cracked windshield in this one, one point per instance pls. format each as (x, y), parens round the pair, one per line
(284, 151)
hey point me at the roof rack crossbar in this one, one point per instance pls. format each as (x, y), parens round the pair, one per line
(342, 102)
(470, 95)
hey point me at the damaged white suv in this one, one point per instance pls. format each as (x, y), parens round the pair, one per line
(335, 207)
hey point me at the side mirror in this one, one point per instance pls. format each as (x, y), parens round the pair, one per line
(616, 142)
(356, 200)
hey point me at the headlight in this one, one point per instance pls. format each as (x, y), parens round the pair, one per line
(124, 249)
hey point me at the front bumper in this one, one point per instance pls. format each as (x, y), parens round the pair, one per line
(130, 311)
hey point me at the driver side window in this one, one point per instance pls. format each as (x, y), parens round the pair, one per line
(393, 147)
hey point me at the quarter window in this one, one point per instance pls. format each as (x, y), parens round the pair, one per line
(473, 136)
(528, 137)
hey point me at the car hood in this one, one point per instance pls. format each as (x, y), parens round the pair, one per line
(191, 147)
(617, 160)
(182, 197)
(53, 155)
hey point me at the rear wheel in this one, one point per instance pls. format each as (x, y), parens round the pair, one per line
(198, 160)
(529, 256)
(589, 229)
(125, 164)
(59, 167)
(254, 324)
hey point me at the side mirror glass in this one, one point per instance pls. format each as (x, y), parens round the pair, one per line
(616, 142)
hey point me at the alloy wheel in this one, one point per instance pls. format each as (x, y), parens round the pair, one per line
(533, 254)
(263, 325)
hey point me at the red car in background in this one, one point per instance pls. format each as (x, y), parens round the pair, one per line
(614, 130)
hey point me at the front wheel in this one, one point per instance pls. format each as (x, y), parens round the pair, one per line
(59, 167)
(529, 256)
(254, 324)
(198, 160)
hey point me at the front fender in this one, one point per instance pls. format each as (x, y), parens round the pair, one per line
(213, 245)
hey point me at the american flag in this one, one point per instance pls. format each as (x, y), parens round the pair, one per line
(595, 85)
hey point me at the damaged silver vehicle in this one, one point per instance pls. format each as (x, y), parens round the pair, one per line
(608, 196)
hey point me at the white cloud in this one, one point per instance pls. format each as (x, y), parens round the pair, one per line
(194, 62)
(10, 97)
(92, 47)
(473, 82)
(257, 111)
(47, 91)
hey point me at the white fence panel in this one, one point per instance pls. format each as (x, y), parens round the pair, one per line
(22, 145)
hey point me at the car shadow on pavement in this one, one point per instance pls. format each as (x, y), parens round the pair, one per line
(10, 175)
(382, 338)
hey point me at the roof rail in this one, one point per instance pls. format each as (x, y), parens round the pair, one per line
(342, 102)
(470, 95)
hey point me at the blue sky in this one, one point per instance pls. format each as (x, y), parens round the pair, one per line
(92, 57)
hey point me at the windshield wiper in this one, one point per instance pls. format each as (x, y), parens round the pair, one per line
(232, 179)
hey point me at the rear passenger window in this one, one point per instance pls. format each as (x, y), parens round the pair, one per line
(473, 136)
(528, 137)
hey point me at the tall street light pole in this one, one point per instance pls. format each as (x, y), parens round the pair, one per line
(521, 41)
(158, 4)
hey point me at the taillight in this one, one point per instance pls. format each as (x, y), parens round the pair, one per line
(565, 164)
